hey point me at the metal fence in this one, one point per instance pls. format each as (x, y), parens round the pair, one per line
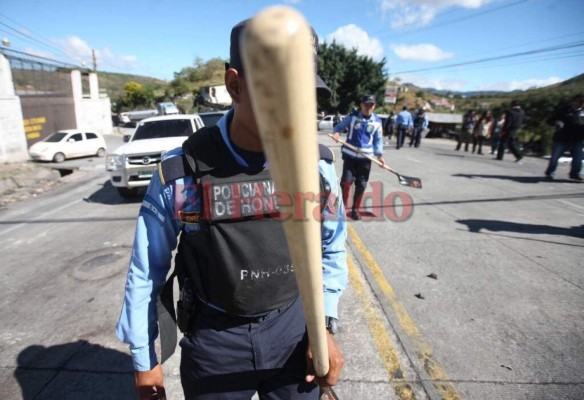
(40, 76)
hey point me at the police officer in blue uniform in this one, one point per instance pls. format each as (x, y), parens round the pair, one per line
(239, 309)
(404, 122)
(420, 123)
(365, 133)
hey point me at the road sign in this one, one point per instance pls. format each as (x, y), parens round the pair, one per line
(390, 96)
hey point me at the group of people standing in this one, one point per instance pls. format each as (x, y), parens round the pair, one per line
(568, 121)
(502, 131)
(405, 122)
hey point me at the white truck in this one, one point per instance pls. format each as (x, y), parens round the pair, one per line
(132, 117)
(132, 165)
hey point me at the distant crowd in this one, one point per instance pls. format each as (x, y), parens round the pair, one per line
(500, 132)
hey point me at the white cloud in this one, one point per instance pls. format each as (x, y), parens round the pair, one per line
(436, 83)
(520, 85)
(351, 36)
(39, 53)
(80, 51)
(404, 13)
(420, 52)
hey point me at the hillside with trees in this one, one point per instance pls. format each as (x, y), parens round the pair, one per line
(113, 83)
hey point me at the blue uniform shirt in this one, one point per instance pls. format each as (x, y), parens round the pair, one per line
(157, 229)
(404, 118)
(365, 133)
(424, 123)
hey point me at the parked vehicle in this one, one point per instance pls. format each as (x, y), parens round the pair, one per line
(132, 165)
(326, 123)
(132, 117)
(167, 109)
(68, 143)
(214, 97)
(210, 118)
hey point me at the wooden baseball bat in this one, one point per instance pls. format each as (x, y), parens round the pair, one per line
(278, 58)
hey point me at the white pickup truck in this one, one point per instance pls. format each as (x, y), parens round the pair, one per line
(132, 165)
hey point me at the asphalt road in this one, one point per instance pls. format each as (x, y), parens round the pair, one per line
(503, 320)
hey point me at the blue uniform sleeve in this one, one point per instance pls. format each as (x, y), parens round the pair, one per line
(334, 236)
(344, 124)
(155, 239)
(378, 141)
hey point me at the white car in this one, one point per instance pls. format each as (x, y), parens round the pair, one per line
(326, 123)
(68, 143)
(132, 165)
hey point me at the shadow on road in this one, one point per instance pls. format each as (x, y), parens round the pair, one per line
(451, 155)
(520, 179)
(476, 225)
(78, 370)
(108, 194)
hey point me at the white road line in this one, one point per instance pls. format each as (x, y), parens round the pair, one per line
(571, 204)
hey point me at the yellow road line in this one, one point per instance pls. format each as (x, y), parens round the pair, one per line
(423, 351)
(383, 343)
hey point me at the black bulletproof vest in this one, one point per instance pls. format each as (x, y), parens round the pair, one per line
(239, 259)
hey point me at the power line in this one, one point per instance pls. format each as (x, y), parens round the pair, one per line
(21, 54)
(46, 43)
(529, 43)
(489, 59)
(25, 36)
(526, 61)
(453, 21)
(49, 44)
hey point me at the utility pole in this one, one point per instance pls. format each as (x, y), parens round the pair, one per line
(94, 60)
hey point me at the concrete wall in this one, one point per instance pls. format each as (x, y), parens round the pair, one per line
(13, 147)
(93, 113)
(96, 116)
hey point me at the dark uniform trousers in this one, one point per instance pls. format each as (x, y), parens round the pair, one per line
(354, 170)
(229, 357)
(402, 131)
(510, 139)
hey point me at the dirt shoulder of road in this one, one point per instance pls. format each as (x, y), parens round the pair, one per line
(20, 181)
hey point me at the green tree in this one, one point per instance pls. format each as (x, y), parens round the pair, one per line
(179, 87)
(349, 76)
(135, 95)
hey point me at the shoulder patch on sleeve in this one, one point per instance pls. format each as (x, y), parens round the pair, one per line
(325, 153)
(172, 168)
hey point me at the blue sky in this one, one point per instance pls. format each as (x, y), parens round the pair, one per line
(159, 37)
